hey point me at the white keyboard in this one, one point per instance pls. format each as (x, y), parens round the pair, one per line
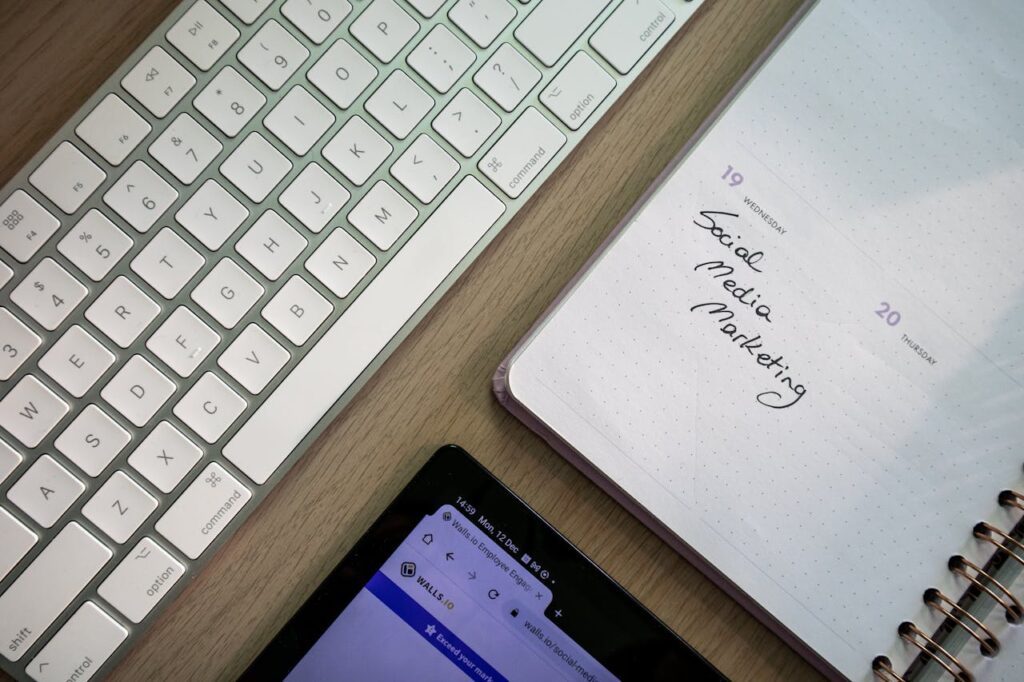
(205, 264)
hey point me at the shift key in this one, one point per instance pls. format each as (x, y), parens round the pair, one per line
(203, 511)
(522, 152)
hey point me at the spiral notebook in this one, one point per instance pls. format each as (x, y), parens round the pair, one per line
(800, 359)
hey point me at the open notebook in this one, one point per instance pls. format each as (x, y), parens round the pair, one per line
(800, 359)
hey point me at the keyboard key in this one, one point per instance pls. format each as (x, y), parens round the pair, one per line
(210, 407)
(202, 35)
(165, 457)
(427, 7)
(5, 273)
(17, 343)
(39, 595)
(577, 91)
(229, 101)
(211, 215)
(67, 177)
(555, 25)
(95, 245)
(79, 648)
(383, 215)
(248, 10)
(141, 580)
(525, 149)
(113, 129)
(253, 359)
(24, 225)
(299, 120)
(49, 294)
(183, 341)
(482, 20)
(342, 74)
(384, 28)
(316, 18)
(271, 245)
(92, 440)
(138, 390)
(227, 293)
(255, 167)
(158, 82)
(140, 196)
(122, 312)
(424, 169)
(314, 197)
(76, 361)
(507, 77)
(15, 542)
(340, 263)
(203, 510)
(399, 104)
(185, 148)
(167, 263)
(273, 54)
(45, 491)
(441, 58)
(466, 122)
(630, 32)
(9, 461)
(338, 359)
(119, 507)
(357, 150)
(297, 310)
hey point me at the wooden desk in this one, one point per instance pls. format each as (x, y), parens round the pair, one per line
(436, 388)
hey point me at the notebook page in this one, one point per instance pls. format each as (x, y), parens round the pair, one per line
(804, 355)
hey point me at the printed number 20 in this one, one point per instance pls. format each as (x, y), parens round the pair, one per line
(891, 317)
(733, 177)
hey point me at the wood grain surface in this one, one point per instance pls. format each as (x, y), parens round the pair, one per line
(436, 388)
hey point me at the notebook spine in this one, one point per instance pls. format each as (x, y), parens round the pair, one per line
(929, 648)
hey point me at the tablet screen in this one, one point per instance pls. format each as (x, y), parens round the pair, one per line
(461, 580)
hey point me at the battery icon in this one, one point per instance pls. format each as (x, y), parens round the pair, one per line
(526, 559)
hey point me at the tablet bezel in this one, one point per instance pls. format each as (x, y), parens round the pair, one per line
(639, 647)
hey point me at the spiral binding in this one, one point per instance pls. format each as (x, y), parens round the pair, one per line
(1006, 547)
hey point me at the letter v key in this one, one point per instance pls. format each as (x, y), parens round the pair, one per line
(253, 359)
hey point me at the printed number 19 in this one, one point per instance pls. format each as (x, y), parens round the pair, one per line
(734, 178)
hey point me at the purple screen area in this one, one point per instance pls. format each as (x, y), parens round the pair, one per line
(448, 605)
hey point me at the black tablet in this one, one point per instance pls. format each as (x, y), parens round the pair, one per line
(460, 580)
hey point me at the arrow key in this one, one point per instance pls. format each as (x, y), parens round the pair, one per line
(79, 648)
(253, 359)
(425, 169)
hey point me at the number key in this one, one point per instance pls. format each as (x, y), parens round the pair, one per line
(95, 245)
(229, 101)
(185, 148)
(48, 294)
(273, 54)
(140, 196)
(316, 18)
(17, 342)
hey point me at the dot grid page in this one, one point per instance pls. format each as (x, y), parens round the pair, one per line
(804, 354)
